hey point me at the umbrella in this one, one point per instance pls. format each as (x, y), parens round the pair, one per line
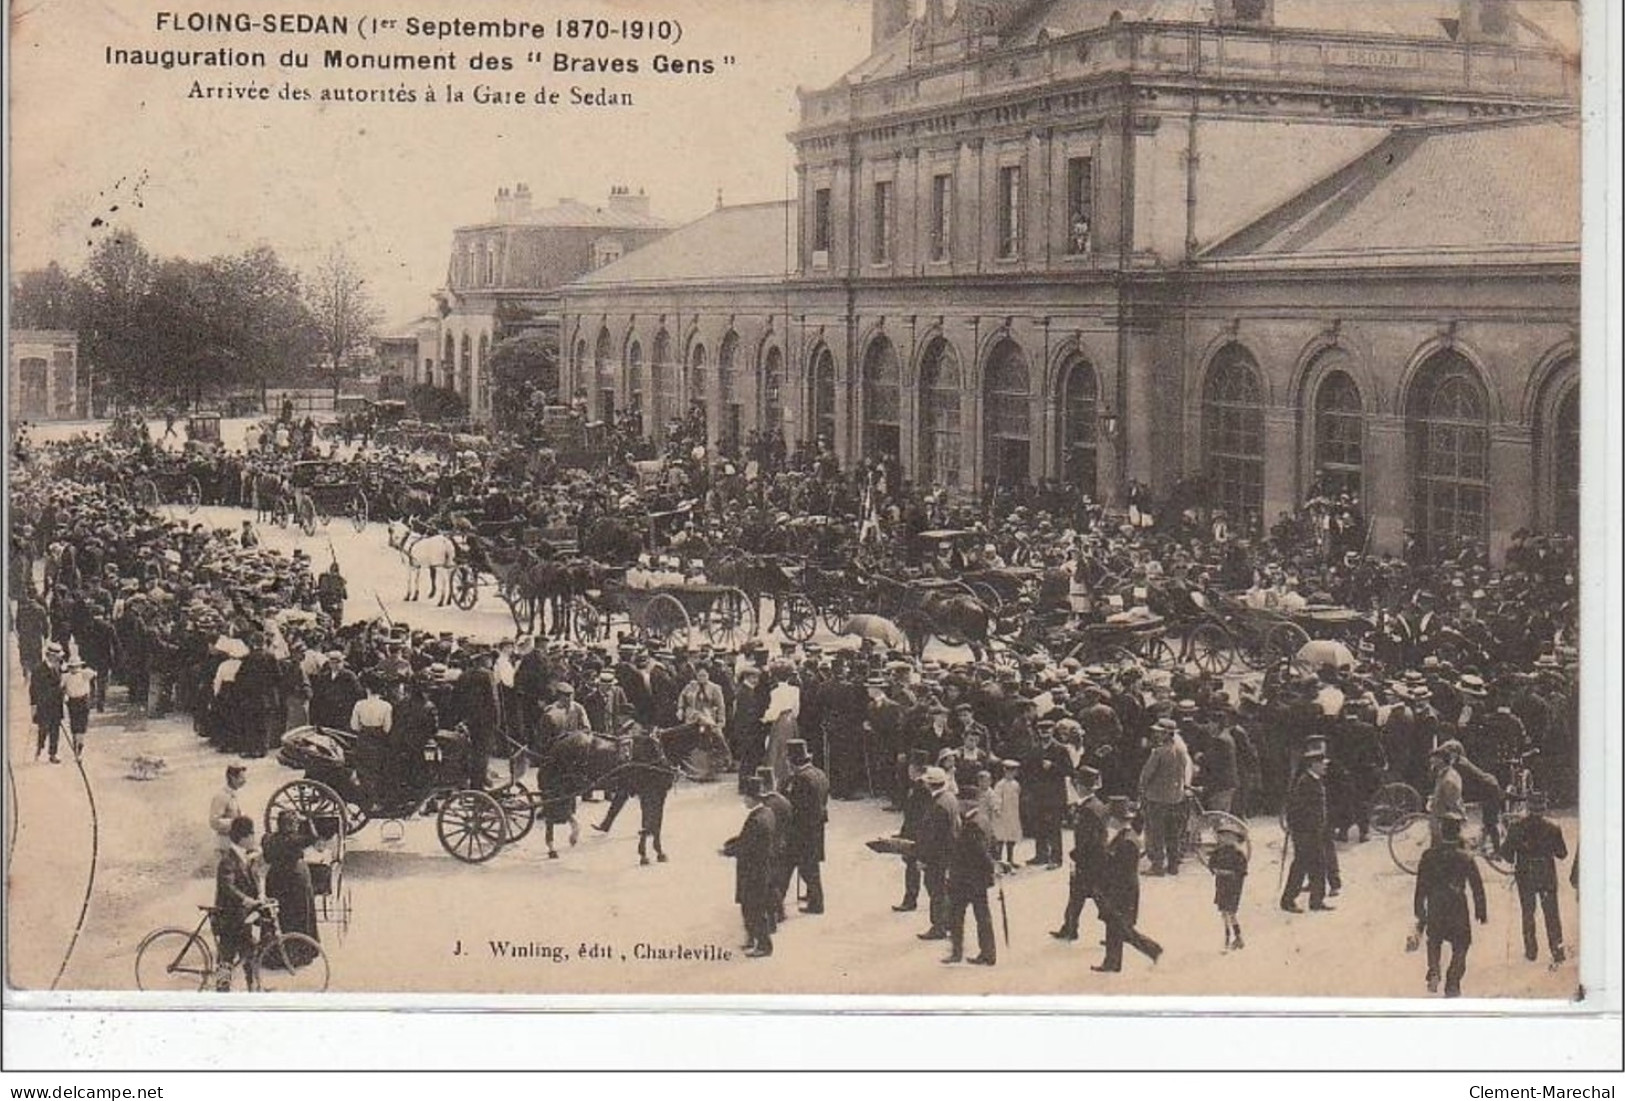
(231, 647)
(1323, 651)
(878, 628)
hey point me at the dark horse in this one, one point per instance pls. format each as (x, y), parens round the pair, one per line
(923, 611)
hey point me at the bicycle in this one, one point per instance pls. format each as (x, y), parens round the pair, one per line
(1412, 837)
(1202, 829)
(176, 959)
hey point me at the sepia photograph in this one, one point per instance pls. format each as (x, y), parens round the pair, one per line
(899, 498)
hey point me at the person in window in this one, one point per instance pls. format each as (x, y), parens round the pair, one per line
(1081, 240)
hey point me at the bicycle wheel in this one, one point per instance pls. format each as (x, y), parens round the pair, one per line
(1202, 834)
(1392, 805)
(293, 964)
(1408, 841)
(173, 959)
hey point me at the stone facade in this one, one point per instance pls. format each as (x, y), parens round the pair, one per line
(42, 376)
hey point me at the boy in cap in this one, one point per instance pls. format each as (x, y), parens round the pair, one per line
(1535, 844)
(1228, 863)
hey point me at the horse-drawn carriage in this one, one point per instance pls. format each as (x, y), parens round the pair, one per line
(166, 485)
(323, 490)
(668, 614)
(932, 607)
(1262, 637)
(203, 429)
(348, 782)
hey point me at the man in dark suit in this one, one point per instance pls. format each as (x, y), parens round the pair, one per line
(935, 848)
(784, 813)
(752, 851)
(1535, 844)
(46, 698)
(237, 901)
(1443, 877)
(476, 694)
(970, 874)
(1044, 777)
(917, 802)
(1306, 826)
(1088, 854)
(257, 687)
(334, 693)
(1119, 897)
(808, 792)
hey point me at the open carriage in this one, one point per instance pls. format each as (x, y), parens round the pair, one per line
(669, 614)
(323, 490)
(1259, 638)
(167, 485)
(350, 781)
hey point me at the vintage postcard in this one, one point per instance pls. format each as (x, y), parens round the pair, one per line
(843, 497)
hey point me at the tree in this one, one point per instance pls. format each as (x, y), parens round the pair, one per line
(343, 309)
(115, 284)
(522, 366)
(47, 298)
(435, 404)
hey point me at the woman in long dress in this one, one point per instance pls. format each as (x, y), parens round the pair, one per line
(287, 876)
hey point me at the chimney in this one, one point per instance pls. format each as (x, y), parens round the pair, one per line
(520, 208)
(504, 204)
(889, 17)
(622, 199)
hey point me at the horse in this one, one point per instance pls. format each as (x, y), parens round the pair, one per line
(270, 491)
(956, 617)
(432, 550)
(635, 765)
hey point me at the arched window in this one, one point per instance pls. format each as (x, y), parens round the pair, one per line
(603, 365)
(465, 373)
(448, 363)
(772, 391)
(1080, 410)
(1339, 435)
(634, 378)
(699, 393)
(732, 427)
(1233, 433)
(1006, 415)
(823, 396)
(1447, 422)
(667, 385)
(882, 401)
(1566, 463)
(939, 414)
(483, 373)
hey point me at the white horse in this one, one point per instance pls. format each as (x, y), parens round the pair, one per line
(434, 551)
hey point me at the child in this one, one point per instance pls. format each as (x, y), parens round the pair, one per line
(1006, 813)
(1229, 867)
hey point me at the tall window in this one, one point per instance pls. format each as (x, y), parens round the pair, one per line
(823, 397)
(939, 414)
(1009, 211)
(1007, 429)
(730, 430)
(881, 251)
(1233, 433)
(942, 216)
(1080, 205)
(482, 389)
(605, 251)
(448, 362)
(667, 386)
(772, 391)
(465, 376)
(823, 228)
(699, 392)
(634, 377)
(1447, 416)
(490, 277)
(604, 372)
(1081, 409)
(882, 401)
(1339, 434)
(1566, 462)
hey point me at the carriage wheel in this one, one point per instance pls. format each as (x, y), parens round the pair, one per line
(1202, 834)
(517, 808)
(730, 619)
(465, 588)
(1408, 841)
(1284, 640)
(342, 911)
(591, 625)
(836, 609)
(1210, 649)
(192, 495)
(665, 618)
(471, 826)
(319, 502)
(1158, 654)
(988, 595)
(359, 511)
(1392, 804)
(310, 799)
(798, 619)
(146, 493)
(306, 510)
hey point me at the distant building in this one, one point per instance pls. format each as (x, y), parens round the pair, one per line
(42, 376)
(504, 275)
(1279, 244)
(396, 360)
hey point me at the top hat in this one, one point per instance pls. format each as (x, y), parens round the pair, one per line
(1119, 807)
(796, 750)
(750, 786)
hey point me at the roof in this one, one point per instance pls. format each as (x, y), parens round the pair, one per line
(574, 214)
(732, 243)
(1541, 24)
(1496, 188)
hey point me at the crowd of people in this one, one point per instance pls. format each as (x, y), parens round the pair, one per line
(1460, 677)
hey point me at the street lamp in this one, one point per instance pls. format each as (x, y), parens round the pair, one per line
(1108, 423)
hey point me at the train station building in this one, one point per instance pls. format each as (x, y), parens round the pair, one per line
(1271, 241)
